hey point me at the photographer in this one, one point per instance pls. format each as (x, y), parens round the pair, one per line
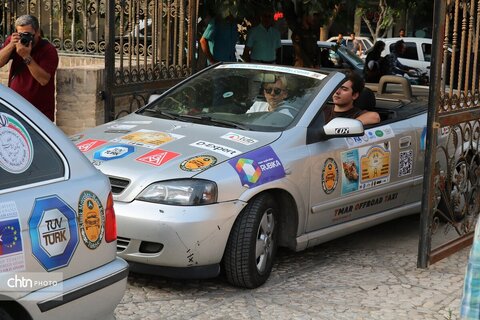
(34, 63)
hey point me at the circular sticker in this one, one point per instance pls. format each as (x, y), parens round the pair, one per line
(16, 152)
(329, 176)
(92, 219)
(379, 133)
(198, 163)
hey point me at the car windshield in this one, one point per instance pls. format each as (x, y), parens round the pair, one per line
(356, 60)
(242, 96)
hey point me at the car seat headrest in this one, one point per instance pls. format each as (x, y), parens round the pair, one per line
(366, 100)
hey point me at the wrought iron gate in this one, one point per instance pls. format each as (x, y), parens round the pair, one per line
(150, 47)
(451, 194)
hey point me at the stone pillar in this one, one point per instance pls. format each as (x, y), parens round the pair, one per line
(79, 105)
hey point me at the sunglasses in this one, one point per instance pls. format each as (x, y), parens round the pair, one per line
(276, 91)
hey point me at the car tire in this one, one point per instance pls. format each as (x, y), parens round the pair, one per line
(252, 243)
(4, 315)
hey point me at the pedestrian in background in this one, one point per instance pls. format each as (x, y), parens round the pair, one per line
(373, 62)
(263, 41)
(401, 33)
(340, 40)
(34, 63)
(304, 41)
(356, 45)
(219, 39)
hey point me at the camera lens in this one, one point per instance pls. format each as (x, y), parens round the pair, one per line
(26, 38)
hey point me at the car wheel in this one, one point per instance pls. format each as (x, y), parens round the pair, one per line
(4, 315)
(252, 244)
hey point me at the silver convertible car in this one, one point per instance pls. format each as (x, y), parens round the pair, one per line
(202, 183)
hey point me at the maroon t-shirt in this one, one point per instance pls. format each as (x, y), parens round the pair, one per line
(21, 80)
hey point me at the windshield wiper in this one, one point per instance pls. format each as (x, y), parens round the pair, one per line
(210, 120)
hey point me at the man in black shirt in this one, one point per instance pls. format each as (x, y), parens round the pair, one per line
(343, 102)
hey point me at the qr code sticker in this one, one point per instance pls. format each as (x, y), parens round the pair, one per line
(405, 163)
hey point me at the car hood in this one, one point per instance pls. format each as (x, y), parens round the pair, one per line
(144, 149)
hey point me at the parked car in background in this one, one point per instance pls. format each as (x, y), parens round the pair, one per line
(57, 223)
(365, 41)
(202, 184)
(418, 53)
(338, 57)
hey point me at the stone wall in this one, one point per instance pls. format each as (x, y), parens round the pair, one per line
(79, 80)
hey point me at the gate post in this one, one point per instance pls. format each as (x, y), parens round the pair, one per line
(424, 246)
(109, 75)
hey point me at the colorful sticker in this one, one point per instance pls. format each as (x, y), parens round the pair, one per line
(53, 232)
(232, 136)
(373, 135)
(198, 163)
(350, 171)
(90, 144)
(258, 167)
(76, 137)
(329, 176)
(375, 165)
(16, 152)
(92, 219)
(12, 257)
(157, 157)
(405, 163)
(148, 138)
(114, 152)
(215, 147)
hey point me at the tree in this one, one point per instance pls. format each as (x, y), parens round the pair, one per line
(384, 18)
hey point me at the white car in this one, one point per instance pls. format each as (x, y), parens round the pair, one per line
(365, 41)
(57, 223)
(417, 55)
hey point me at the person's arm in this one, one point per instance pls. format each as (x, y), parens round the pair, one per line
(369, 117)
(8, 49)
(37, 72)
(206, 50)
(246, 54)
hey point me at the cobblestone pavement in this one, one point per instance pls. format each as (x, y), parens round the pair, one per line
(371, 274)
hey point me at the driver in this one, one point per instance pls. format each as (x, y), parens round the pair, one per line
(275, 94)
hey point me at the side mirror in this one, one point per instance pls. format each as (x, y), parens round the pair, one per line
(343, 127)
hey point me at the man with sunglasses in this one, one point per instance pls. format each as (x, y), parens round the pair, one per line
(34, 63)
(275, 93)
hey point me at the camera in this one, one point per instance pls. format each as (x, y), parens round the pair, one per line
(26, 38)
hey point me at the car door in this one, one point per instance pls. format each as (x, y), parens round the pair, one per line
(357, 177)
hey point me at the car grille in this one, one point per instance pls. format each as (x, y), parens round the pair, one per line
(122, 244)
(118, 184)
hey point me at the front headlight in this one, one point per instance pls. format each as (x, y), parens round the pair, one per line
(188, 192)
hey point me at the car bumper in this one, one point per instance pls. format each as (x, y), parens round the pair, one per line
(174, 236)
(92, 295)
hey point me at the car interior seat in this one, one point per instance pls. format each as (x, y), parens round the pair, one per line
(366, 100)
